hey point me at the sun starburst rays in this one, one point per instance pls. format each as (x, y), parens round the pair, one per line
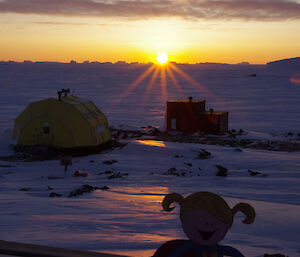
(136, 83)
(167, 81)
(163, 83)
(198, 86)
(175, 82)
(151, 84)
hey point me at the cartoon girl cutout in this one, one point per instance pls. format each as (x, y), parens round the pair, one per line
(205, 219)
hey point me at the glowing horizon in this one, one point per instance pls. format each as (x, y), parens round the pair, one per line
(230, 32)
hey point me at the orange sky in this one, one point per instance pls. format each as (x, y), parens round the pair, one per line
(188, 31)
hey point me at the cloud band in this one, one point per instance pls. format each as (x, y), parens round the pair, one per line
(269, 10)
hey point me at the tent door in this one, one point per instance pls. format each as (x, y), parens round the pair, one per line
(46, 138)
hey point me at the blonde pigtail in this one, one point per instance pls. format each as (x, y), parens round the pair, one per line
(246, 209)
(171, 198)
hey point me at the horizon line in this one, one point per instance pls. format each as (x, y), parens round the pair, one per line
(122, 62)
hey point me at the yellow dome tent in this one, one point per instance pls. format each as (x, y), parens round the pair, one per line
(66, 122)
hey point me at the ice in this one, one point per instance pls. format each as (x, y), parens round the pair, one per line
(128, 218)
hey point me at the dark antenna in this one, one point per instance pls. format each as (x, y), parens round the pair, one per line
(59, 95)
(63, 91)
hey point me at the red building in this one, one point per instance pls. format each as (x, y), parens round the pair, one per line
(190, 116)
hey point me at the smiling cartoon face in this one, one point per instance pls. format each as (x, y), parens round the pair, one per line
(202, 228)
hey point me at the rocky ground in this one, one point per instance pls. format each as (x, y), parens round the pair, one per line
(289, 142)
(233, 138)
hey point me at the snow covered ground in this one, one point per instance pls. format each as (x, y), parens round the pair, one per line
(128, 217)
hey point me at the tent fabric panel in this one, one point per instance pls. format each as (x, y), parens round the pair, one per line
(73, 100)
(71, 122)
(38, 109)
(33, 133)
(20, 122)
(62, 136)
(81, 128)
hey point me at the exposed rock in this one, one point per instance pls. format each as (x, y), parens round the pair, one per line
(173, 172)
(117, 175)
(80, 173)
(25, 189)
(109, 162)
(254, 173)
(106, 172)
(53, 194)
(53, 177)
(222, 171)
(104, 188)
(231, 139)
(83, 189)
(203, 154)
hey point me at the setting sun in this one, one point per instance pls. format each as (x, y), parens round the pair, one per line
(162, 58)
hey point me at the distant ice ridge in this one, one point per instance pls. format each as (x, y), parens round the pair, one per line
(292, 63)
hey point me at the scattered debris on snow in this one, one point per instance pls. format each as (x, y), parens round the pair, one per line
(173, 171)
(53, 177)
(254, 173)
(203, 154)
(188, 164)
(178, 156)
(222, 171)
(117, 175)
(79, 173)
(25, 189)
(231, 139)
(83, 189)
(109, 162)
(53, 194)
